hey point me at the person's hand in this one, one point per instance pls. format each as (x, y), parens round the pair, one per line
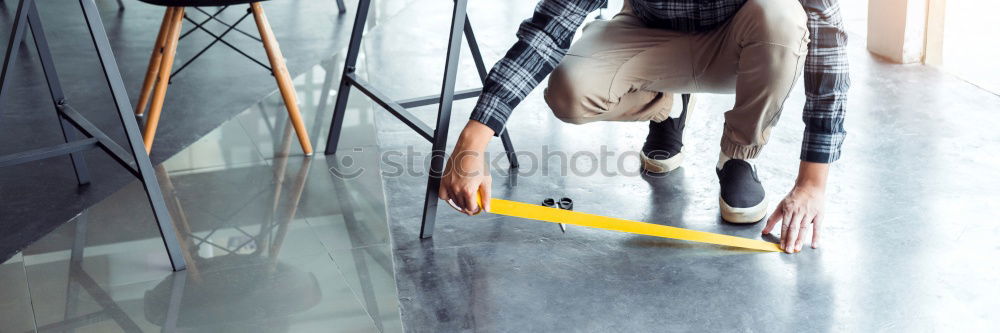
(466, 175)
(801, 212)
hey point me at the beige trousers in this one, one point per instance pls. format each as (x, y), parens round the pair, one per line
(621, 70)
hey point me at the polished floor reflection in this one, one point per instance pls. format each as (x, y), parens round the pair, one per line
(275, 241)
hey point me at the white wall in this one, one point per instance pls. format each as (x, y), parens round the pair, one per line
(896, 29)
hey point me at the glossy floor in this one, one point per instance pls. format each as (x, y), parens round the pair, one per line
(274, 241)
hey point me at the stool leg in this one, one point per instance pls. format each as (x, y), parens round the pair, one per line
(281, 76)
(56, 92)
(154, 61)
(163, 77)
(443, 120)
(350, 60)
(142, 163)
(477, 57)
(15, 40)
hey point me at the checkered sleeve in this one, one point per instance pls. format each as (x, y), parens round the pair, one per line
(542, 42)
(826, 82)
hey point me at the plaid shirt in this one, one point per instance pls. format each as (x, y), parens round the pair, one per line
(544, 39)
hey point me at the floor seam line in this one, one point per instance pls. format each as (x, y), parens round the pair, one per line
(31, 300)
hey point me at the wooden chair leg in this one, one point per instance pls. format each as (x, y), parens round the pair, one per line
(281, 76)
(163, 77)
(154, 61)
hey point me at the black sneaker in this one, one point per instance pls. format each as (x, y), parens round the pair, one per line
(741, 197)
(663, 150)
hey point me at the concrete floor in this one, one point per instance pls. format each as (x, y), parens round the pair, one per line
(907, 244)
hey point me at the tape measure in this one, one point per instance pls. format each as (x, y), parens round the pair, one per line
(556, 215)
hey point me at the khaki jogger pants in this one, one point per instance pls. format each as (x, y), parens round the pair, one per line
(621, 70)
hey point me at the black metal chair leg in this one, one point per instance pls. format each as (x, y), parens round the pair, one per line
(341, 8)
(55, 90)
(509, 149)
(71, 121)
(477, 57)
(14, 43)
(27, 18)
(438, 135)
(353, 48)
(145, 168)
(443, 119)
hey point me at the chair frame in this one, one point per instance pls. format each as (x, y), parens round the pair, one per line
(438, 136)
(134, 159)
(159, 71)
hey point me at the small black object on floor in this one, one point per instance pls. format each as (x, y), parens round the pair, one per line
(564, 203)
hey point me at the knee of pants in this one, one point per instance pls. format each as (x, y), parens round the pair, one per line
(569, 98)
(781, 22)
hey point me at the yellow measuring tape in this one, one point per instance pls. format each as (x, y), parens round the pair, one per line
(555, 215)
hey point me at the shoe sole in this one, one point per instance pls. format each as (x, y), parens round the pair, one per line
(743, 215)
(662, 166)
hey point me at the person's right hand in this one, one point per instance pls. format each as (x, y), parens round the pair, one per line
(466, 174)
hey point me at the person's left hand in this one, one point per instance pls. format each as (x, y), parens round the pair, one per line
(801, 214)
